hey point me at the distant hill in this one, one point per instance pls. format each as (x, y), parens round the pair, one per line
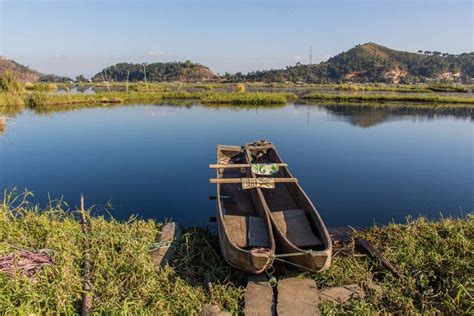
(20, 71)
(25, 74)
(169, 71)
(373, 63)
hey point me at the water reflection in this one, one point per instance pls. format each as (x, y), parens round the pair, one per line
(368, 116)
(152, 159)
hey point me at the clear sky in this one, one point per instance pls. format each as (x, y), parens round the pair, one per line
(72, 37)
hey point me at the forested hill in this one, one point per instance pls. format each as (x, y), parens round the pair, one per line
(373, 63)
(170, 71)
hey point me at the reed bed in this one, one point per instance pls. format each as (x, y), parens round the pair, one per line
(435, 259)
(445, 107)
(42, 99)
(11, 99)
(382, 87)
(41, 86)
(256, 98)
(36, 100)
(427, 98)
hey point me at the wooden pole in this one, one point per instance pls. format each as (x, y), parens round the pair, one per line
(179, 88)
(107, 80)
(144, 74)
(238, 180)
(367, 246)
(240, 165)
(86, 285)
(128, 75)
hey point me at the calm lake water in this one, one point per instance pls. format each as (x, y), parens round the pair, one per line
(359, 166)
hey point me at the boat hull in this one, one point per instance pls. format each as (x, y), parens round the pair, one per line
(312, 260)
(249, 260)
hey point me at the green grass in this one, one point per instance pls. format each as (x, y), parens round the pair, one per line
(11, 99)
(42, 99)
(255, 98)
(382, 87)
(427, 98)
(123, 277)
(36, 100)
(439, 87)
(434, 258)
(407, 105)
(448, 88)
(41, 86)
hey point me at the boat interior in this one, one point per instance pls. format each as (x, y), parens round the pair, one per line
(242, 217)
(289, 206)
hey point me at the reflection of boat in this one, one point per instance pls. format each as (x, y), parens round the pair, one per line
(244, 227)
(298, 228)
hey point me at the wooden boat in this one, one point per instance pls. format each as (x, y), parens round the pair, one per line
(244, 227)
(297, 225)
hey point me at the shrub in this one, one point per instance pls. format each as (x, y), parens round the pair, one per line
(240, 88)
(10, 84)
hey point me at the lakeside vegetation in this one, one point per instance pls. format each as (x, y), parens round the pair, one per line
(426, 98)
(433, 257)
(36, 100)
(425, 88)
(252, 98)
(15, 93)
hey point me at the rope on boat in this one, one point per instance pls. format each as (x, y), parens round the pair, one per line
(293, 254)
(286, 255)
(291, 263)
(160, 244)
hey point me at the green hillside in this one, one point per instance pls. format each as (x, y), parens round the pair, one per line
(169, 71)
(373, 63)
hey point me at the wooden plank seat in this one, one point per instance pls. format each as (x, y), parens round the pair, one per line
(295, 226)
(246, 231)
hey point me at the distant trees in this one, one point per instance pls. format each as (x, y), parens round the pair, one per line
(169, 71)
(368, 63)
(363, 63)
(81, 78)
(54, 78)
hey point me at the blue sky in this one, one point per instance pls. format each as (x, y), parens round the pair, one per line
(72, 37)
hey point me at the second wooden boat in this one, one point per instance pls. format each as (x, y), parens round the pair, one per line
(300, 233)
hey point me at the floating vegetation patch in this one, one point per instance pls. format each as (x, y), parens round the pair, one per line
(391, 97)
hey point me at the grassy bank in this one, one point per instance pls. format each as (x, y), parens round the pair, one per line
(36, 100)
(255, 98)
(407, 105)
(41, 86)
(416, 88)
(426, 98)
(42, 99)
(123, 277)
(11, 99)
(434, 259)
